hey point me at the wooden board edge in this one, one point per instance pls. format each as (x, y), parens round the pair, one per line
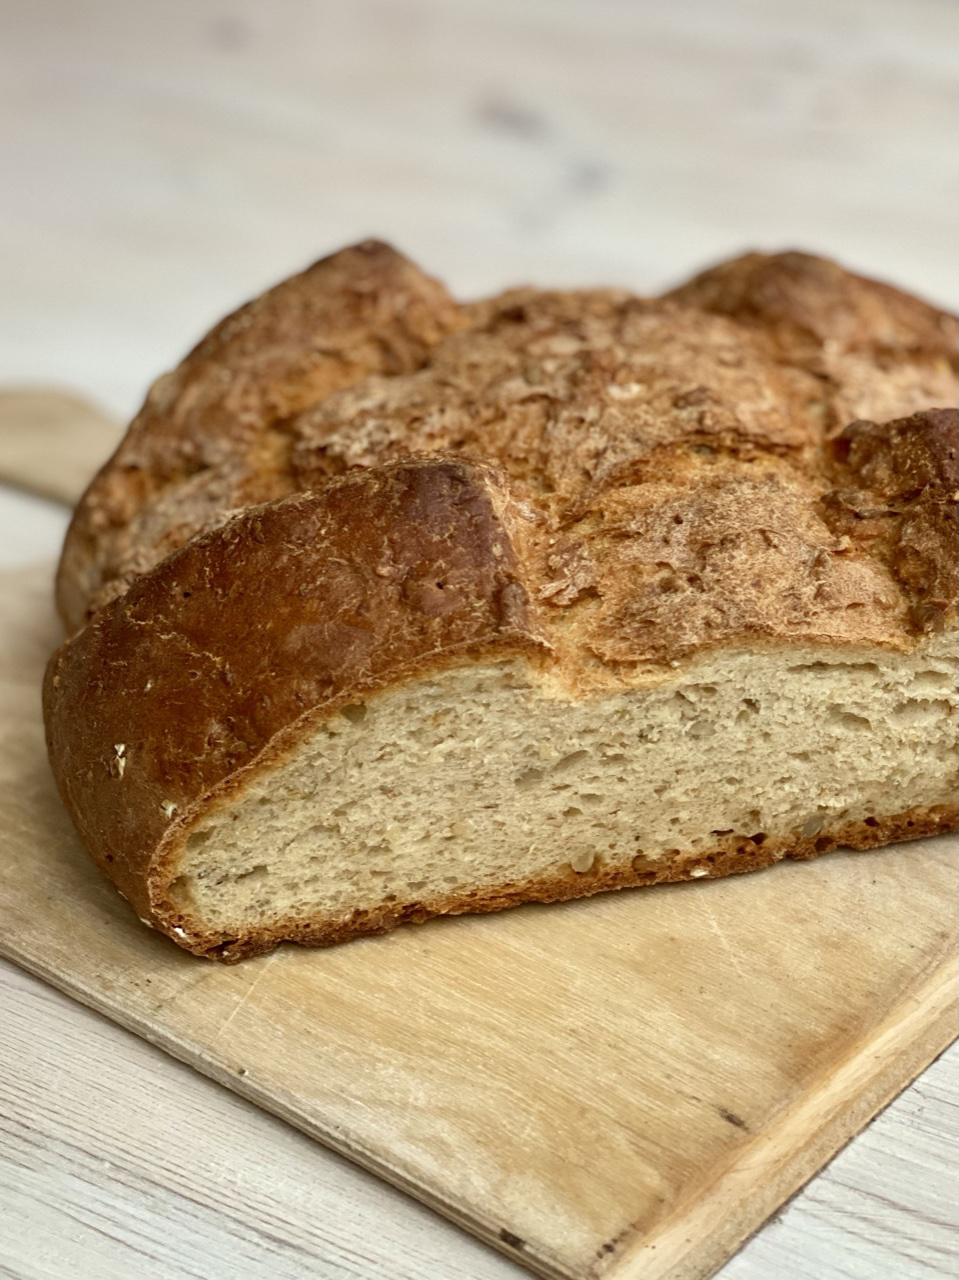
(58, 419)
(58, 495)
(195, 1057)
(694, 1242)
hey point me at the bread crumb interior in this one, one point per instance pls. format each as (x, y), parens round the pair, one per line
(481, 778)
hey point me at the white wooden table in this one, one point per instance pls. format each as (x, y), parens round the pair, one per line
(161, 163)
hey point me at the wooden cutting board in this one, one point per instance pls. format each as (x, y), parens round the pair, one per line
(620, 1088)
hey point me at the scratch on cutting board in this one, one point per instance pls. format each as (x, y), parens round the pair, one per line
(191, 983)
(244, 999)
(727, 946)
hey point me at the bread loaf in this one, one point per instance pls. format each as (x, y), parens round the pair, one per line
(389, 607)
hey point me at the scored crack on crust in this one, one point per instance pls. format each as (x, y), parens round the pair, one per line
(355, 481)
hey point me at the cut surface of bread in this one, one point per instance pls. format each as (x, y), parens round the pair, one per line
(389, 607)
(479, 788)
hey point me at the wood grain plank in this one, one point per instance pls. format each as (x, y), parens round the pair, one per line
(212, 1189)
(699, 1239)
(160, 1142)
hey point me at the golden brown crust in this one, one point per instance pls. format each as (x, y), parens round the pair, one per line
(363, 358)
(713, 468)
(803, 303)
(676, 458)
(896, 498)
(878, 352)
(732, 856)
(213, 437)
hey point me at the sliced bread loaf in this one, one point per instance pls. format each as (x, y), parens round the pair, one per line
(578, 591)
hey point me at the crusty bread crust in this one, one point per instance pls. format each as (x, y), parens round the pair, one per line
(213, 436)
(213, 663)
(363, 358)
(604, 485)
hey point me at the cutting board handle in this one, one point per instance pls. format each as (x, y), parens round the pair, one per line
(51, 442)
